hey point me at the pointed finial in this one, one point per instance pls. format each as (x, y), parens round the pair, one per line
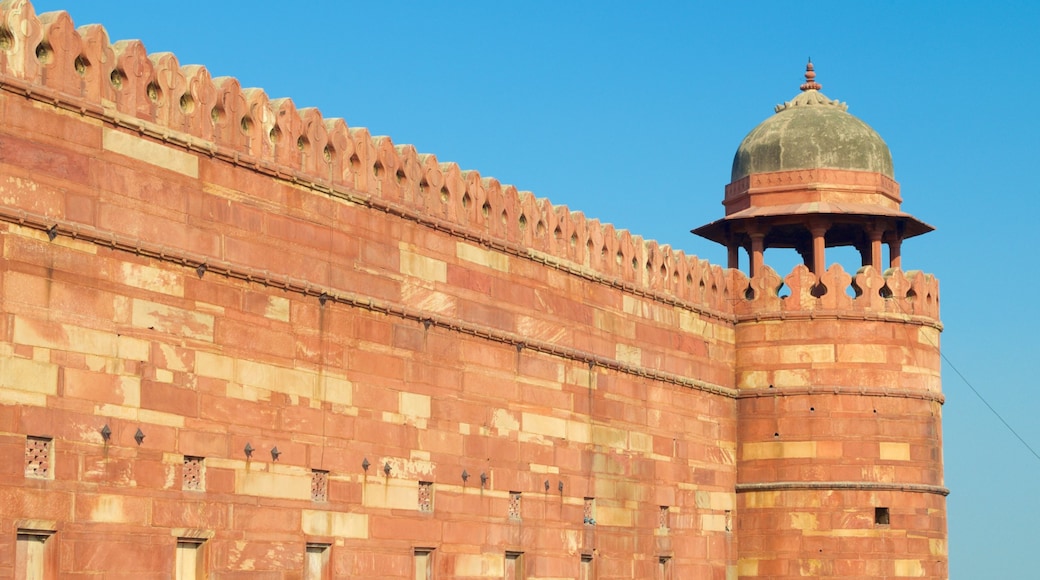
(810, 83)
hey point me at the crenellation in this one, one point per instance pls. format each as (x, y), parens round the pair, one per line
(272, 133)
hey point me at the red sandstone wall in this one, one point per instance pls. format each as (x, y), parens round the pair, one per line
(839, 416)
(218, 268)
(177, 259)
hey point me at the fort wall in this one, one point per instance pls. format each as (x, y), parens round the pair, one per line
(195, 274)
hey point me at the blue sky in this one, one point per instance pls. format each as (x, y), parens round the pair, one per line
(631, 112)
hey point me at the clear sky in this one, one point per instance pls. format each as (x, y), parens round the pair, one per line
(631, 112)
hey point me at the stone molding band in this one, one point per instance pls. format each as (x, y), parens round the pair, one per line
(862, 391)
(916, 320)
(841, 485)
(203, 265)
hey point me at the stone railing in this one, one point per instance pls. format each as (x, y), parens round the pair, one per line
(909, 295)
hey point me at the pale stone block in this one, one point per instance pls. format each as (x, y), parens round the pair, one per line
(894, 451)
(29, 376)
(721, 500)
(693, 323)
(862, 353)
(908, 568)
(150, 152)
(631, 305)
(803, 521)
(172, 358)
(581, 377)
(160, 418)
(614, 516)
(937, 547)
(613, 324)
(23, 398)
(414, 405)
(806, 353)
(215, 366)
(151, 279)
(723, 333)
(130, 388)
(753, 380)
(761, 499)
(504, 421)
(277, 308)
(480, 565)
(793, 378)
(276, 485)
(539, 468)
(177, 321)
(117, 509)
(928, 335)
(390, 494)
(338, 390)
(489, 258)
(163, 376)
(422, 267)
(68, 337)
(276, 379)
(629, 354)
(702, 500)
(117, 411)
(579, 432)
(778, 450)
(543, 425)
(609, 436)
(713, 522)
(641, 442)
(334, 524)
(747, 567)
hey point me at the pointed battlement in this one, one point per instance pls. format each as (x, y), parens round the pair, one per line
(47, 58)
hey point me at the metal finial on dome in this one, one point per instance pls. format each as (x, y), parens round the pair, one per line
(810, 83)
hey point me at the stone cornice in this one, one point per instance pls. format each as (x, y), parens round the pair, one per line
(841, 485)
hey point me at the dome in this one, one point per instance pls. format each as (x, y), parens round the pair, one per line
(812, 132)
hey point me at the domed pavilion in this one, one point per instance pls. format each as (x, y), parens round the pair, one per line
(811, 177)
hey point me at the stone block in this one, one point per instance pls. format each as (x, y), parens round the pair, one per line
(543, 425)
(169, 319)
(480, 256)
(274, 485)
(894, 451)
(29, 376)
(421, 267)
(334, 524)
(143, 149)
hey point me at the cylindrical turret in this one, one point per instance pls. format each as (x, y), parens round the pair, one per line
(839, 462)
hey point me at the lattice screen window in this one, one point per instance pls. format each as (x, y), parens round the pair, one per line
(194, 474)
(590, 511)
(662, 518)
(38, 457)
(425, 496)
(514, 505)
(319, 485)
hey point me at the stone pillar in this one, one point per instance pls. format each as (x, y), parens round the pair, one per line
(757, 252)
(894, 247)
(733, 255)
(819, 246)
(875, 248)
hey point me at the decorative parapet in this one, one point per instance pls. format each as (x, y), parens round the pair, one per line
(48, 59)
(911, 296)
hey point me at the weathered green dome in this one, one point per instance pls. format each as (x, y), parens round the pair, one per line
(812, 132)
